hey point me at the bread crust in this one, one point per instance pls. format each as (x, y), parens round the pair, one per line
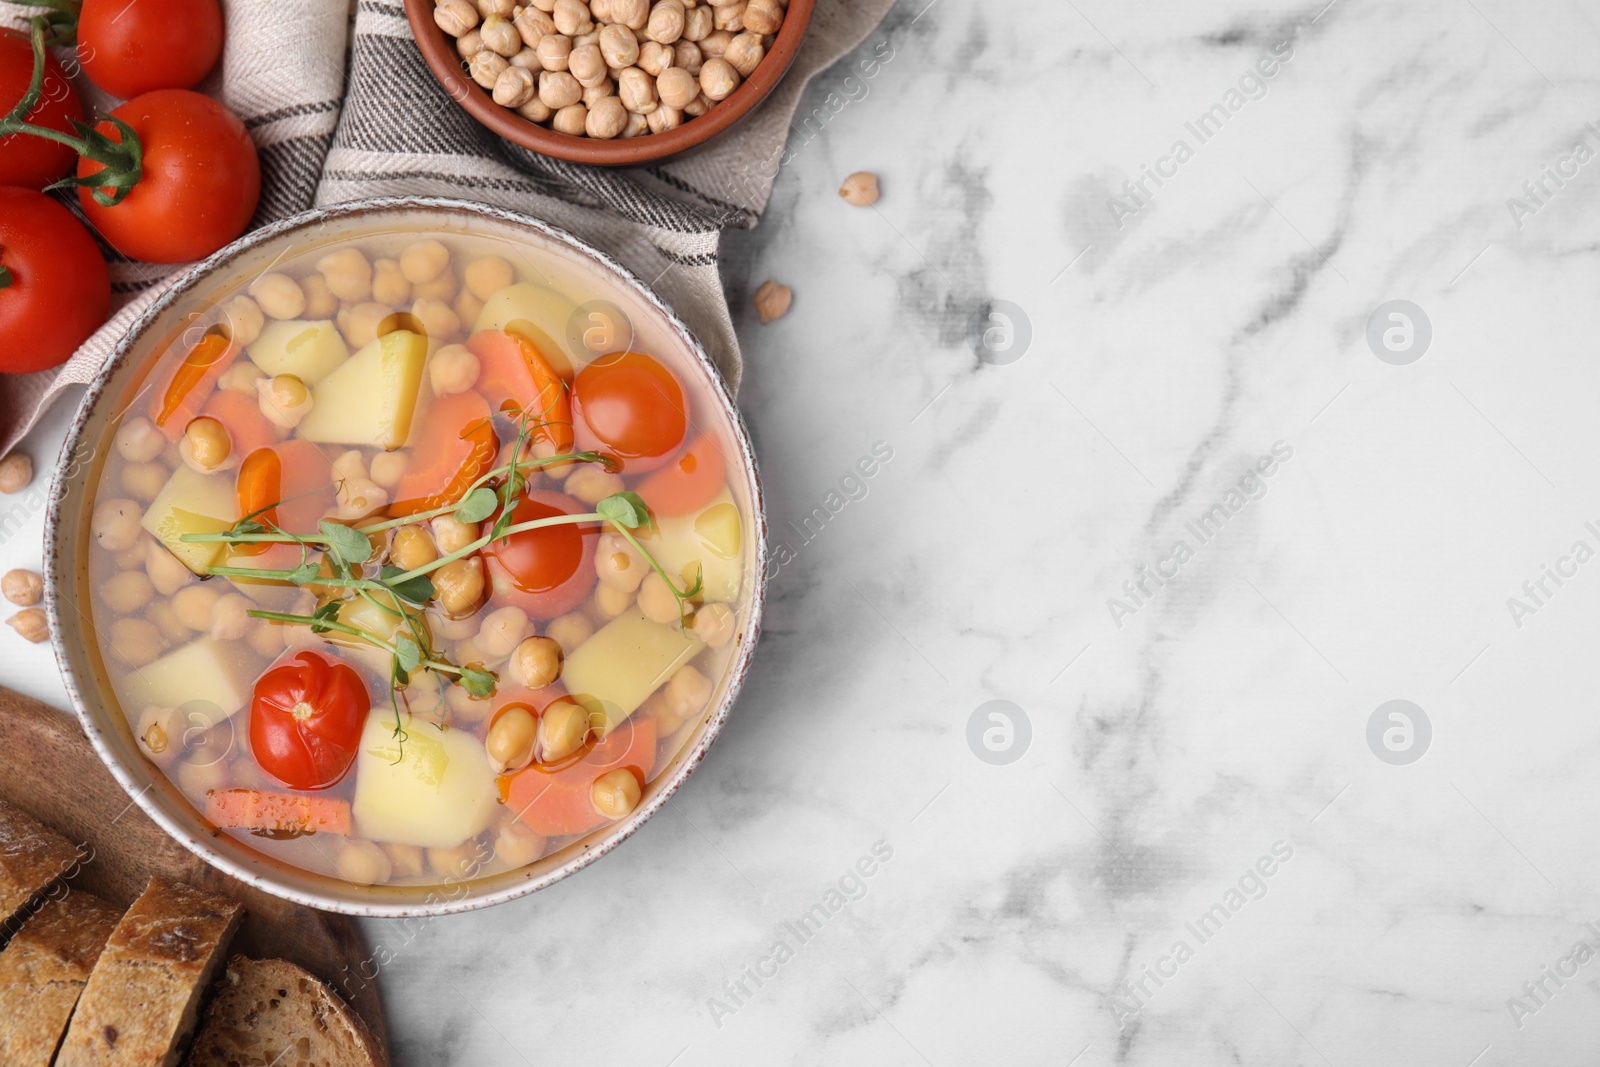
(43, 970)
(31, 857)
(264, 1007)
(142, 999)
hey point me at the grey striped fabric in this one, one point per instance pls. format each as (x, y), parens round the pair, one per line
(343, 108)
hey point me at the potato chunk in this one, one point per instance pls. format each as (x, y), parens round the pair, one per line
(308, 350)
(370, 398)
(192, 502)
(624, 662)
(434, 790)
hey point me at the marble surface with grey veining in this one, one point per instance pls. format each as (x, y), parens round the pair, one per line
(1159, 465)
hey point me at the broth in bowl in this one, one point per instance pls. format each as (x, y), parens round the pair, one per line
(412, 562)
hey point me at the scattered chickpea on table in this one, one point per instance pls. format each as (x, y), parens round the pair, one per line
(610, 68)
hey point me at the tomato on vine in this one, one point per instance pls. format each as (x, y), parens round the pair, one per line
(54, 286)
(131, 47)
(34, 162)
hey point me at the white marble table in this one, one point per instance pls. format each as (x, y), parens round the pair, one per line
(1196, 856)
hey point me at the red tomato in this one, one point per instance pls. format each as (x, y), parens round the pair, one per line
(55, 291)
(128, 47)
(202, 179)
(688, 483)
(516, 376)
(306, 719)
(24, 159)
(556, 803)
(456, 446)
(544, 572)
(632, 407)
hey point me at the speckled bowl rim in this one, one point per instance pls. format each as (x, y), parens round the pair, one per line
(58, 557)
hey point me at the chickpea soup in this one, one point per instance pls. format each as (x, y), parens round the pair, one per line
(414, 561)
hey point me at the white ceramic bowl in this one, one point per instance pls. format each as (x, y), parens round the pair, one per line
(69, 598)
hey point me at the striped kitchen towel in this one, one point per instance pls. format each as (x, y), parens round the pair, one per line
(343, 109)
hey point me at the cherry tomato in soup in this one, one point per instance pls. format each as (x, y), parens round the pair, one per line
(202, 179)
(306, 718)
(630, 406)
(545, 572)
(516, 376)
(128, 47)
(556, 802)
(25, 160)
(54, 286)
(687, 484)
(455, 447)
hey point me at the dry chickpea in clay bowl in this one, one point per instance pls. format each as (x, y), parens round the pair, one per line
(609, 82)
(419, 557)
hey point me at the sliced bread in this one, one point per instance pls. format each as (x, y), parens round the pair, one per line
(142, 1000)
(42, 972)
(31, 857)
(270, 1012)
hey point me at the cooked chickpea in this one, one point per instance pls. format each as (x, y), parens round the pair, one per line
(166, 621)
(193, 605)
(31, 624)
(267, 639)
(677, 87)
(572, 17)
(359, 324)
(348, 274)
(516, 845)
(514, 87)
(206, 445)
(459, 585)
(127, 592)
(637, 91)
(615, 793)
(714, 624)
(387, 468)
(618, 563)
(132, 557)
(464, 706)
(410, 547)
(244, 319)
(592, 483)
(535, 663)
(572, 120)
(554, 50)
(453, 369)
(570, 631)
(510, 739)
(363, 863)
(452, 864)
(198, 779)
(16, 472)
(241, 377)
(160, 733)
(320, 301)
(230, 617)
(144, 481)
(452, 535)
(359, 497)
(487, 275)
(611, 601)
(438, 320)
(389, 284)
(423, 261)
(116, 524)
(562, 729)
(408, 861)
(455, 17)
(467, 307)
(138, 440)
(656, 600)
(284, 400)
(502, 631)
(559, 89)
(22, 588)
(135, 641)
(349, 466)
(279, 296)
(167, 572)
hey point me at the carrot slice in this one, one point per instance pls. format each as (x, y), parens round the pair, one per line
(257, 809)
(240, 414)
(455, 447)
(688, 483)
(191, 383)
(293, 482)
(515, 376)
(557, 803)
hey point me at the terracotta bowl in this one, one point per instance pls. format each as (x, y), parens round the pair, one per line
(69, 596)
(439, 49)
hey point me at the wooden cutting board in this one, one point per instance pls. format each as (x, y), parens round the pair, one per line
(49, 769)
